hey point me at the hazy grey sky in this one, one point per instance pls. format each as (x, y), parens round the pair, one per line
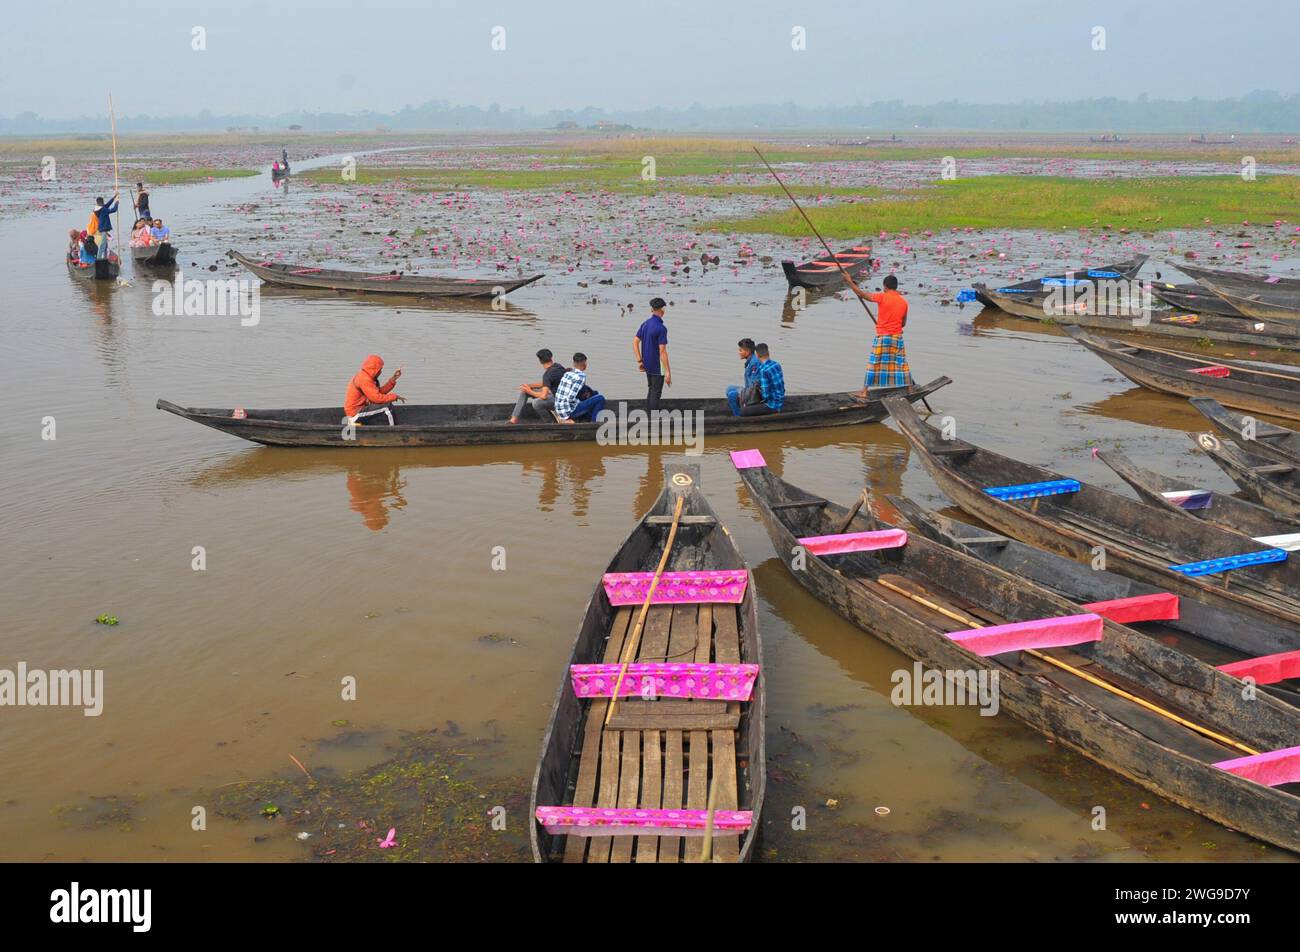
(279, 55)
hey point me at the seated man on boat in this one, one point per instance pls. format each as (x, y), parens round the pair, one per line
(365, 397)
(574, 401)
(771, 385)
(540, 395)
(887, 366)
(747, 392)
(74, 243)
(160, 232)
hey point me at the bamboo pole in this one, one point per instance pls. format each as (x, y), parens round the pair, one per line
(634, 640)
(112, 119)
(843, 271)
(1091, 679)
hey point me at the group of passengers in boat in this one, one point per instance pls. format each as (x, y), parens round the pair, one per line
(563, 394)
(92, 242)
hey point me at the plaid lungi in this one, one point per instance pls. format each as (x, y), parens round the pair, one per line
(887, 364)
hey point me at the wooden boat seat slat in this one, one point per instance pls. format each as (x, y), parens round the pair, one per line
(575, 847)
(684, 521)
(726, 650)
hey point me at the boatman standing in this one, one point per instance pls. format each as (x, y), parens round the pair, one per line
(142, 202)
(365, 397)
(887, 366)
(650, 345)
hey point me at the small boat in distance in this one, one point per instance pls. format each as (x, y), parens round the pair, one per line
(689, 755)
(280, 171)
(824, 273)
(392, 282)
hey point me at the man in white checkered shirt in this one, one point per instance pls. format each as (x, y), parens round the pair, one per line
(568, 407)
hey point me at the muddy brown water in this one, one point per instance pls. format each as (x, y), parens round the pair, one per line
(376, 565)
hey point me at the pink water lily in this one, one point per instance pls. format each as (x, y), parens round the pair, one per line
(390, 840)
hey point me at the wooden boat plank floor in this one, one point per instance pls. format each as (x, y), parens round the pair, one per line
(652, 768)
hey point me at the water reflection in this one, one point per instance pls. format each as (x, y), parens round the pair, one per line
(373, 492)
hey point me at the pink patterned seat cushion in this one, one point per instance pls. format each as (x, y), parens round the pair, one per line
(726, 682)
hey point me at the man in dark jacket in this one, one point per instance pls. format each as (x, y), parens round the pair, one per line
(104, 216)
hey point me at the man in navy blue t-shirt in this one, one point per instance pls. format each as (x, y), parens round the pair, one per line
(650, 345)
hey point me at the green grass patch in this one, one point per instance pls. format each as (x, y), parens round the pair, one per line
(186, 176)
(580, 172)
(1017, 201)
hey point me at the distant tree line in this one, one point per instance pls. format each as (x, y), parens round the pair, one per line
(1262, 111)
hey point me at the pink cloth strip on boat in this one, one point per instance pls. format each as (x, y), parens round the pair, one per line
(729, 682)
(855, 542)
(1266, 669)
(1212, 371)
(1162, 606)
(747, 459)
(1024, 635)
(307, 271)
(600, 821)
(677, 588)
(1271, 768)
(383, 277)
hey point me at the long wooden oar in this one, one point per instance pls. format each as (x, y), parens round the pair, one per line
(834, 257)
(1091, 679)
(634, 640)
(112, 120)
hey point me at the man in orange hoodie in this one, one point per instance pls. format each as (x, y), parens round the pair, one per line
(365, 397)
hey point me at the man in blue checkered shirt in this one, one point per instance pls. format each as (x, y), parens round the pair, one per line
(771, 383)
(574, 400)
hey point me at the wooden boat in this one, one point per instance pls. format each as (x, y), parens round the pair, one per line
(1242, 636)
(1194, 298)
(1220, 509)
(1232, 383)
(667, 753)
(1142, 709)
(1267, 439)
(824, 274)
(1082, 522)
(484, 423)
(1247, 281)
(1190, 328)
(1264, 297)
(1125, 270)
(1273, 484)
(1109, 138)
(161, 255)
(302, 276)
(105, 269)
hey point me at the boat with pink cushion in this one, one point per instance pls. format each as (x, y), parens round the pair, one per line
(654, 752)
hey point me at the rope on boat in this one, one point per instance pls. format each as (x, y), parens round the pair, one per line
(629, 650)
(1091, 679)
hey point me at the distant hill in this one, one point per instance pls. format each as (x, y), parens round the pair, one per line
(1262, 111)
